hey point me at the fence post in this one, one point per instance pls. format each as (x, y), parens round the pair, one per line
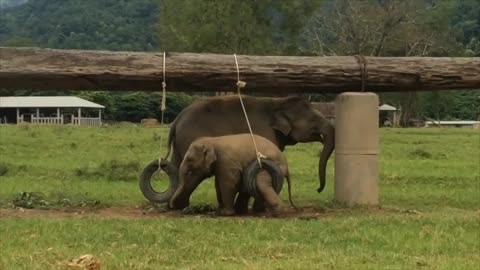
(356, 148)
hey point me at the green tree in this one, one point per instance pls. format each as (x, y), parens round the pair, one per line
(103, 24)
(233, 26)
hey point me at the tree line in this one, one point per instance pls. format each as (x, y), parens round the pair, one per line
(267, 27)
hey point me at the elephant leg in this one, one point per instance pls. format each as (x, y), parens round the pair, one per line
(258, 205)
(241, 203)
(181, 197)
(228, 182)
(219, 194)
(264, 186)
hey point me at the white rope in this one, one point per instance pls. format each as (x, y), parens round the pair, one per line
(164, 90)
(163, 107)
(240, 85)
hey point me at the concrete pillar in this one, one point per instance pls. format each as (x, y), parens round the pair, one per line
(356, 148)
(79, 116)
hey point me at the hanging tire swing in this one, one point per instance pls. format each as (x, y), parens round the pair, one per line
(146, 182)
(250, 176)
(160, 164)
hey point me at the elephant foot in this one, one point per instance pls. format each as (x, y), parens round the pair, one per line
(258, 206)
(225, 212)
(241, 210)
(178, 204)
(241, 204)
(277, 211)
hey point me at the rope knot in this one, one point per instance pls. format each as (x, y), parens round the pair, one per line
(362, 62)
(241, 84)
(260, 155)
(164, 85)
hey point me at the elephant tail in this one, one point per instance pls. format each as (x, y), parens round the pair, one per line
(289, 186)
(172, 133)
(171, 137)
(250, 178)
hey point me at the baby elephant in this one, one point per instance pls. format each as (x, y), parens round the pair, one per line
(227, 157)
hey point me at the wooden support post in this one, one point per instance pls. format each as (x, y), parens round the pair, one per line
(18, 116)
(356, 148)
(79, 116)
(59, 117)
(100, 116)
(394, 124)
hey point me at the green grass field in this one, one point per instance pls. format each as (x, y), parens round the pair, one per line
(429, 216)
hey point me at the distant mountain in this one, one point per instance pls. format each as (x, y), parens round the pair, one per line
(4, 4)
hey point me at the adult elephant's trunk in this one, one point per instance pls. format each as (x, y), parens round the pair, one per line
(328, 147)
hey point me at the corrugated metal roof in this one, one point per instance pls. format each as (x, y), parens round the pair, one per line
(386, 107)
(47, 102)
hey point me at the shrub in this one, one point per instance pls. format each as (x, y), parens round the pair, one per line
(420, 153)
(113, 170)
(3, 168)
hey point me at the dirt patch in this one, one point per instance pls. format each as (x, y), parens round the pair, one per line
(136, 213)
(306, 213)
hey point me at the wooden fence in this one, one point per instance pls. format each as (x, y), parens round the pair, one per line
(84, 121)
(47, 120)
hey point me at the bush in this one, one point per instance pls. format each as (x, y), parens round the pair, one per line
(3, 168)
(113, 170)
(419, 153)
(37, 200)
(31, 200)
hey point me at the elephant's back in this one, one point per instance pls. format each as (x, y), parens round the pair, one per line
(242, 144)
(222, 116)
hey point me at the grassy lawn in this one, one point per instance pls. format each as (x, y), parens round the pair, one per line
(429, 192)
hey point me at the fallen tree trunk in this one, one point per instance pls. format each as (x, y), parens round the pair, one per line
(34, 68)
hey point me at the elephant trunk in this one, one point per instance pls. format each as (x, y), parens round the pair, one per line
(328, 147)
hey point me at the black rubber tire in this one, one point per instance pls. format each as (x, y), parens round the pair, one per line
(250, 176)
(146, 186)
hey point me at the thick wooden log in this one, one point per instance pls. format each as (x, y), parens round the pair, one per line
(34, 68)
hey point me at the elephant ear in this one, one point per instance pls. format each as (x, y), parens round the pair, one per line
(209, 155)
(281, 123)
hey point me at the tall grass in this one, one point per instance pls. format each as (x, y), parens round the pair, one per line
(420, 168)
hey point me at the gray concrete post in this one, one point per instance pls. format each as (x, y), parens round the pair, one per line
(356, 148)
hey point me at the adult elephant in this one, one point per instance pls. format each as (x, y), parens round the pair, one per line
(284, 121)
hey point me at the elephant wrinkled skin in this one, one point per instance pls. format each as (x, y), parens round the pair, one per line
(283, 121)
(227, 157)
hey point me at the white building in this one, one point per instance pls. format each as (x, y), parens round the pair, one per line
(56, 110)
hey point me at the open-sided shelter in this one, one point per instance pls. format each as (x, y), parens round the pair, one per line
(388, 115)
(53, 110)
